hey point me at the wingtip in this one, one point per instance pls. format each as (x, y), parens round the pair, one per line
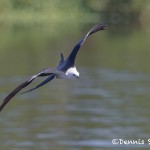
(101, 26)
(97, 28)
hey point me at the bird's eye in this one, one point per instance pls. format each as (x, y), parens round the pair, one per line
(75, 75)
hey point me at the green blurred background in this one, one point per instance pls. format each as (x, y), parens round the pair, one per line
(41, 29)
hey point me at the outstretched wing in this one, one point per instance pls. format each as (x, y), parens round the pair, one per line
(46, 72)
(51, 77)
(57, 73)
(69, 62)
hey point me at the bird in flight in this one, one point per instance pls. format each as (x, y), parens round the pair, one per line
(66, 68)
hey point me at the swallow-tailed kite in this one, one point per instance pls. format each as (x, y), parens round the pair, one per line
(65, 70)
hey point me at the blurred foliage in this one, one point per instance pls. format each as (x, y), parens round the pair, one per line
(24, 22)
(49, 12)
(122, 15)
(42, 12)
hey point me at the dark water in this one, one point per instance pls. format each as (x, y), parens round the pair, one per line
(111, 100)
(80, 114)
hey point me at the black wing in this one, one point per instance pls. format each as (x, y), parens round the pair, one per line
(45, 72)
(51, 77)
(69, 62)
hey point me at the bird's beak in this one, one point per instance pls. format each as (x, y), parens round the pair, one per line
(77, 76)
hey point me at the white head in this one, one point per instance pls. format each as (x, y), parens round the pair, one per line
(72, 73)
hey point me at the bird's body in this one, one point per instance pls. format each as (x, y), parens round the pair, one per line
(71, 73)
(65, 70)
